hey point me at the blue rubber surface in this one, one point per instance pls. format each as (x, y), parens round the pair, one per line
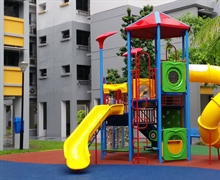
(28, 171)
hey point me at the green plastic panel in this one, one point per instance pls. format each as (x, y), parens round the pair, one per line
(153, 135)
(172, 117)
(174, 134)
(173, 76)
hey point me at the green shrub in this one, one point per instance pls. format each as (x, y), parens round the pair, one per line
(80, 116)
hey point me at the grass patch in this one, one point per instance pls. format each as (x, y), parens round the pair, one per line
(45, 145)
(36, 146)
(8, 130)
(202, 150)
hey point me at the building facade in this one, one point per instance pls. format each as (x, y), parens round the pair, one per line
(59, 43)
(63, 67)
(14, 40)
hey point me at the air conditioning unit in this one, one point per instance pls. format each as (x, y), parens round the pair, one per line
(33, 91)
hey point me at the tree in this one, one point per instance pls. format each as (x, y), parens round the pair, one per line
(114, 77)
(211, 34)
(146, 45)
(200, 53)
(80, 116)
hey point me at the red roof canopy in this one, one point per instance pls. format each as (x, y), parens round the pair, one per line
(146, 27)
(134, 51)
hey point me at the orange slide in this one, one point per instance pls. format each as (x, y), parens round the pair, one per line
(209, 120)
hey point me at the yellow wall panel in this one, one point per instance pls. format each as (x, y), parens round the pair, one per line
(13, 25)
(13, 41)
(206, 90)
(12, 75)
(12, 91)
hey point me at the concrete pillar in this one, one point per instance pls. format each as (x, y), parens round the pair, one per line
(40, 119)
(32, 116)
(4, 119)
(1, 73)
(63, 119)
(73, 115)
(195, 107)
(26, 74)
(16, 113)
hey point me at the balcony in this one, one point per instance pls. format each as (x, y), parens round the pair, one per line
(12, 81)
(13, 31)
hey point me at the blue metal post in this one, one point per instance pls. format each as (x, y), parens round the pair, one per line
(130, 128)
(183, 47)
(187, 96)
(158, 85)
(103, 128)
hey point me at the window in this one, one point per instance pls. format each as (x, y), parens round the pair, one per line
(83, 72)
(82, 5)
(32, 30)
(206, 13)
(32, 79)
(11, 9)
(43, 72)
(66, 34)
(33, 49)
(64, 3)
(32, 18)
(43, 39)
(44, 115)
(33, 1)
(82, 37)
(65, 70)
(11, 58)
(42, 8)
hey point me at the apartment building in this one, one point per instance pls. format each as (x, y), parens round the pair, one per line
(32, 68)
(14, 47)
(63, 67)
(68, 55)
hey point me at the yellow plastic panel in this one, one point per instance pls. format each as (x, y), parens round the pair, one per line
(175, 146)
(13, 25)
(12, 75)
(145, 83)
(206, 90)
(13, 41)
(107, 88)
(12, 91)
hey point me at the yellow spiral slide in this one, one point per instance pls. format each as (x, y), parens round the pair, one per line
(76, 149)
(210, 118)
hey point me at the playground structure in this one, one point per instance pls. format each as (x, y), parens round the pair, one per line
(157, 106)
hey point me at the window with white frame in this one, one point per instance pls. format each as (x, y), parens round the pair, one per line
(66, 34)
(83, 72)
(43, 40)
(43, 73)
(65, 70)
(64, 3)
(82, 5)
(42, 8)
(82, 37)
